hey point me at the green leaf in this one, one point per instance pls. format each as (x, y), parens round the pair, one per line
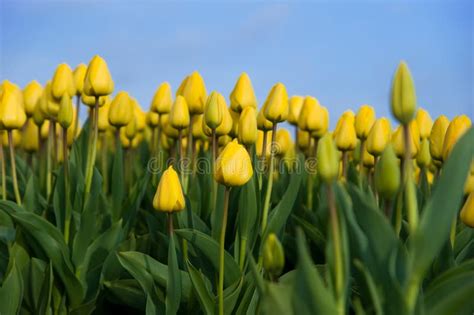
(127, 292)
(11, 292)
(201, 287)
(247, 209)
(44, 305)
(210, 249)
(173, 286)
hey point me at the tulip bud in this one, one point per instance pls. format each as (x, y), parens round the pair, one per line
(368, 159)
(38, 116)
(167, 128)
(283, 142)
(31, 95)
(103, 122)
(387, 174)
(458, 126)
(212, 112)
(294, 109)
(194, 92)
(273, 256)
(234, 131)
(198, 132)
(425, 123)
(226, 124)
(328, 159)
(467, 211)
(398, 140)
(242, 95)
(303, 139)
(121, 110)
(98, 81)
(79, 76)
(152, 119)
(263, 123)
(16, 137)
(314, 117)
(63, 82)
(277, 106)
(248, 132)
(233, 166)
(162, 100)
(169, 194)
(131, 129)
(179, 115)
(437, 135)
(91, 100)
(222, 141)
(345, 134)
(403, 94)
(65, 114)
(12, 114)
(30, 136)
(140, 116)
(364, 121)
(379, 136)
(423, 158)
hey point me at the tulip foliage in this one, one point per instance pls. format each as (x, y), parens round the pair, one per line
(197, 206)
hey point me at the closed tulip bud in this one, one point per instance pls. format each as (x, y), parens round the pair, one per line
(121, 110)
(277, 106)
(294, 109)
(233, 166)
(124, 140)
(79, 76)
(242, 95)
(162, 100)
(226, 125)
(194, 92)
(364, 121)
(458, 126)
(379, 136)
(303, 139)
(212, 112)
(328, 159)
(425, 123)
(467, 211)
(131, 129)
(179, 115)
(198, 132)
(273, 256)
(283, 142)
(91, 100)
(137, 140)
(248, 132)
(167, 128)
(152, 119)
(169, 194)
(263, 123)
(234, 131)
(65, 114)
(16, 137)
(398, 141)
(31, 95)
(438, 132)
(387, 174)
(423, 158)
(224, 140)
(12, 114)
(98, 81)
(368, 159)
(140, 116)
(357, 154)
(103, 122)
(259, 144)
(308, 113)
(30, 136)
(403, 94)
(38, 116)
(345, 136)
(62, 82)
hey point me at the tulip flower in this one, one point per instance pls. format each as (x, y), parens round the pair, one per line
(121, 110)
(194, 92)
(233, 166)
(387, 175)
(364, 120)
(242, 95)
(467, 211)
(303, 140)
(276, 109)
(345, 134)
(248, 132)
(169, 194)
(457, 127)
(438, 132)
(29, 139)
(65, 114)
(379, 136)
(423, 158)
(179, 115)
(425, 123)
(62, 82)
(213, 113)
(283, 142)
(273, 256)
(79, 75)
(103, 122)
(403, 95)
(368, 159)
(328, 159)
(162, 100)
(398, 141)
(31, 95)
(294, 109)
(98, 81)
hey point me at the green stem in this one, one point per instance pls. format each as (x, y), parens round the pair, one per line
(221, 251)
(243, 249)
(76, 119)
(104, 166)
(261, 166)
(49, 174)
(55, 144)
(181, 157)
(67, 221)
(268, 193)
(452, 236)
(410, 191)
(361, 160)
(13, 166)
(189, 154)
(92, 148)
(345, 161)
(4, 176)
(213, 162)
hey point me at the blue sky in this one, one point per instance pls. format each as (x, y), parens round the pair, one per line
(344, 52)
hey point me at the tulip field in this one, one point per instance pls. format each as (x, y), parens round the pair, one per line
(214, 203)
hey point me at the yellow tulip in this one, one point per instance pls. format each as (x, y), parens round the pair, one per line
(387, 174)
(379, 136)
(398, 141)
(233, 166)
(458, 126)
(248, 132)
(276, 109)
(273, 255)
(137, 140)
(345, 133)
(303, 139)
(152, 119)
(328, 159)
(198, 132)
(126, 142)
(403, 94)
(234, 131)
(194, 92)
(179, 115)
(263, 123)
(364, 121)
(283, 142)
(308, 113)
(121, 110)
(38, 116)
(423, 158)
(140, 116)
(98, 81)
(79, 75)
(31, 95)
(259, 144)
(467, 212)
(368, 160)
(425, 123)
(294, 109)
(438, 132)
(162, 100)
(226, 124)
(169, 194)
(62, 82)
(65, 114)
(222, 141)
(12, 113)
(16, 137)
(242, 95)
(30, 136)
(167, 128)
(212, 112)
(103, 122)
